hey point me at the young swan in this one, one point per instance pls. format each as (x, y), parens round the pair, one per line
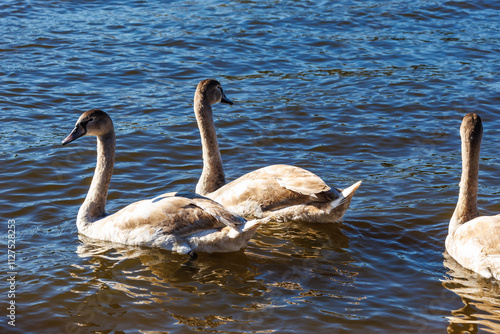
(169, 221)
(473, 241)
(279, 192)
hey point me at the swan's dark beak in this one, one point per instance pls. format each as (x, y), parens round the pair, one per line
(77, 132)
(224, 99)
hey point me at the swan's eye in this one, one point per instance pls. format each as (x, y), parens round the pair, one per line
(84, 123)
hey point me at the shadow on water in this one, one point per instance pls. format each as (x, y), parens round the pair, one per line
(480, 298)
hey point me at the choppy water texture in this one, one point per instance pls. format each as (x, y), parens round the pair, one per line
(371, 90)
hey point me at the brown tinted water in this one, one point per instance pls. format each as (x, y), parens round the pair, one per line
(349, 90)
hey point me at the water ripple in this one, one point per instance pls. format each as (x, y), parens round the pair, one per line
(349, 90)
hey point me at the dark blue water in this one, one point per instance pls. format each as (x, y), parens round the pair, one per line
(371, 90)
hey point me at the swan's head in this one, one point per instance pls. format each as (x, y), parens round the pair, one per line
(211, 90)
(471, 129)
(93, 122)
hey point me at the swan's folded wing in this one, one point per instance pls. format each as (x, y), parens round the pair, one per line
(274, 187)
(225, 216)
(295, 179)
(481, 231)
(215, 209)
(176, 215)
(476, 245)
(486, 234)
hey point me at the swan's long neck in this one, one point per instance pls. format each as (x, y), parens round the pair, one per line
(212, 176)
(466, 208)
(93, 208)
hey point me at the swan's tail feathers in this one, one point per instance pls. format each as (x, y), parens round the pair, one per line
(253, 225)
(349, 192)
(344, 200)
(339, 206)
(494, 266)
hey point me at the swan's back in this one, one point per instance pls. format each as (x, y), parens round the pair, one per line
(272, 188)
(476, 245)
(167, 214)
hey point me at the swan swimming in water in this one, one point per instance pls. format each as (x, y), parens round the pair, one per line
(280, 192)
(169, 221)
(473, 240)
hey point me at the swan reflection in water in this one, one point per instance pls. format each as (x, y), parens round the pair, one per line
(304, 242)
(151, 288)
(156, 265)
(480, 296)
(230, 291)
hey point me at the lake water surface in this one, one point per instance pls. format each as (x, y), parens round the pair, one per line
(351, 90)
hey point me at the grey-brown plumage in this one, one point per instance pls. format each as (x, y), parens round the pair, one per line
(473, 240)
(170, 221)
(280, 192)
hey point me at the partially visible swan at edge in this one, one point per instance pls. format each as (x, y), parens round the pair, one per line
(175, 223)
(280, 192)
(473, 240)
